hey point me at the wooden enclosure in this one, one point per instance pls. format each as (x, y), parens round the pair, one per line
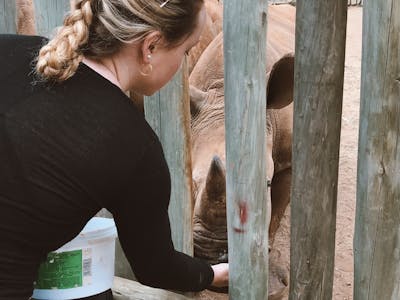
(319, 71)
(245, 130)
(377, 228)
(319, 67)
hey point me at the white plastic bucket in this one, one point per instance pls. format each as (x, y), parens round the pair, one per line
(81, 268)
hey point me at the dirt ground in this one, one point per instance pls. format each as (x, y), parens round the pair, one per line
(343, 280)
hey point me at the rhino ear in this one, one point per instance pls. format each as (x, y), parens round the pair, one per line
(197, 98)
(215, 182)
(280, 84)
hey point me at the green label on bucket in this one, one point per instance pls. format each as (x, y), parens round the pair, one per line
(60, 271)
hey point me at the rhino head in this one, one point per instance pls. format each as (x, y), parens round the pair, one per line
(208, 146)
(208, 158)
(209, 179)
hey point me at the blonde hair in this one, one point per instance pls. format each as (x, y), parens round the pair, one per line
(97, 28)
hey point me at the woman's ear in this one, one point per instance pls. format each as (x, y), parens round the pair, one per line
(149, 45)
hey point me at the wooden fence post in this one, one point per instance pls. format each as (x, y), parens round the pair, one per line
(168, 113)
(377, 230)
(7, 17)
(49, 15)
(319, 69)
(245, 30)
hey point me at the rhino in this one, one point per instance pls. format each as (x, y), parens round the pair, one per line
(211, 29)
(208, 143)
(25, 17)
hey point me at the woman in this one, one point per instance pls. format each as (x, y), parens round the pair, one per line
(71, 142)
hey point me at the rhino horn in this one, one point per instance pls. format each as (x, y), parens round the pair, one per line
(215, 182)
(212, 206)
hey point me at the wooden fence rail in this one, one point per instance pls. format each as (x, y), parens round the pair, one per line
(319, 71)
(49, 15)
(377, 230)
(245, 123)
(168, 113)
(7, 17)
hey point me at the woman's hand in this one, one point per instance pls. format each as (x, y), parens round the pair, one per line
(221, 275)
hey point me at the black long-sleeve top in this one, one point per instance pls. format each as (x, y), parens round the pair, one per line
(68, 150)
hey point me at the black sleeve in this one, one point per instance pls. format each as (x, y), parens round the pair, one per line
(145, 235)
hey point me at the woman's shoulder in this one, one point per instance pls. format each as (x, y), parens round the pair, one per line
(20, 38)
(90, 93)
(17, 53)
(12, 44)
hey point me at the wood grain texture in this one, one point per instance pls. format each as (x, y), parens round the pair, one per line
(49, 15)
(377, 230)
(245, 28)
(319, 70)
(168, 114)
(124, 289)
(7, 17)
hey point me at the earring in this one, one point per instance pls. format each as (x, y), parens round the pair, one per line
(148, 56)
(147, 70)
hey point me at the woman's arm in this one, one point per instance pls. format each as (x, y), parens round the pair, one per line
(141, 216)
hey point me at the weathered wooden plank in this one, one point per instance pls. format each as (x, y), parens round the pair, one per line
(377, 230)
(168, 113)
(7, 16)
(245, 30)
(124, 289)
(49, 15)
(319, 69)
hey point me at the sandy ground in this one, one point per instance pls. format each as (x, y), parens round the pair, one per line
(343, 280)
